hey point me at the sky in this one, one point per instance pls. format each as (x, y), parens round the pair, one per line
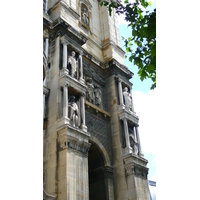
(144, 105)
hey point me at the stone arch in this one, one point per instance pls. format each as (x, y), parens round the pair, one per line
(102, 150)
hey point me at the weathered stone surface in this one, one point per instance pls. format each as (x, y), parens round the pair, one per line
(87, 155)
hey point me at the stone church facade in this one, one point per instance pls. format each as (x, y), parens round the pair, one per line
(92, 148)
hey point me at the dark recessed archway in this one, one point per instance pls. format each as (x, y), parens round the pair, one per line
(97, 187)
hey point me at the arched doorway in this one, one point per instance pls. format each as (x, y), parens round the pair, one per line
(97, 182)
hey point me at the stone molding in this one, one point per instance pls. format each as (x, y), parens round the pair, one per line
(107, 171)
(120, 78)
(97, 109)
(130, 116)
(66, 79)
(129, 169)
(48, 196)
(73, 138)
(135, 165)
(60, 21)
(93, 59)
(72, 43)
(120, 66)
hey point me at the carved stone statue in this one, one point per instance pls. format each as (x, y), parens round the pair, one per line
(97, 93)
(133, 141)
(85, 17)
(127, 99)
(90, 92)
(73, 111)
(74, 64)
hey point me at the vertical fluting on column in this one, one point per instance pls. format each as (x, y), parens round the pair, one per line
(126, 133)
(65, 101)
(139, 144)
(120, 92)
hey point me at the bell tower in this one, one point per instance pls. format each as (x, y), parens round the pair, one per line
(92, 148)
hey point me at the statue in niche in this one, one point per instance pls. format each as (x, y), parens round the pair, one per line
(97, 94)
(127, 99)
(74, 64)
(85, 17)
(89, 92)
(73, 111)
(133, 141)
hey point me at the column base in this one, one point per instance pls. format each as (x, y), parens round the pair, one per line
(63, 121)
(84, 127)
(141, 154)
(82, 80)
(127, 150)
(64, 71)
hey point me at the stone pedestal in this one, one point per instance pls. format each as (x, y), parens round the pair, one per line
(136, 177)
(73, 148)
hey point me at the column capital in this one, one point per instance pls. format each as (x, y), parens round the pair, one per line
(80, 53)
(64, 85)
(129, 170)
(64, 41)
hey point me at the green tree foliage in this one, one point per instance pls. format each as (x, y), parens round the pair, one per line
(143, 24)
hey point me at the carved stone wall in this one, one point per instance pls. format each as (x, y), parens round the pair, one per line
(98, 81)
(100, 129)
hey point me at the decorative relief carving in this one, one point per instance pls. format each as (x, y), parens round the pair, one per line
(75, 144)
(98, 95)
(90, 90)
(133, 141)
(74, 64)
(84, 15)
(73, 111)
(129, 170)
(127, 98)
(100, 129)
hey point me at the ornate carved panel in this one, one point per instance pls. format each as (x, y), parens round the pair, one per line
(100, 129)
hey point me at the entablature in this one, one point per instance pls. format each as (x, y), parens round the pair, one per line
(135, 165)
(66, 79)
(121, 67)
(130, 116)
(73, 138)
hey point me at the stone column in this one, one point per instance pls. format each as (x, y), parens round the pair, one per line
(65, 102)
(131, 185)
(46, 5)
(128, 148)
(81, 67)
(120, 92)
(83, 126)
(132, 107)
(64, 65)
(139, 144)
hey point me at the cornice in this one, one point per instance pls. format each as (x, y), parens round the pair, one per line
(73, 138)
(66, 79)
(119, 66)
(130, 116)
